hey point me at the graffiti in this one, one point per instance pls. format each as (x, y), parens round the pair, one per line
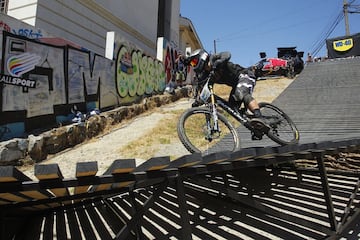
(19, 64)
(25, 32)
(171, 54)
(137, 73)
(54, 78)
(78, 64)
(44, 77)
(4, 26)
(4, 130)
(29, 33)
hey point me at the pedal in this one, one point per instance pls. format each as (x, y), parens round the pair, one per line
(259, 128)
(255, 137)
(259, 125)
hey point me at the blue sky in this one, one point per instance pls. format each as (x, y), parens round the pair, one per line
(247, 27)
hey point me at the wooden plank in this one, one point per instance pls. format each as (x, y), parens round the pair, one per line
(286, 149)
(73, 224)
(38, 195)
(48, 232)
(153, 164)
(121, 166)
(118, 167)
(216, 157)
(186, 161)
(220, 166)
(12, 174)
(60, 225)
(18, 197)
(47, 172)
(306, 146)
(193, 170)
(85, 224)
(108, 211)
(243, 154)
(101, 228)
(83, 170)
(13, 197)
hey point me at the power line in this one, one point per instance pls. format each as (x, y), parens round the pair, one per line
(322, 39)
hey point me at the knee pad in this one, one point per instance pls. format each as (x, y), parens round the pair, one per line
(241, 93)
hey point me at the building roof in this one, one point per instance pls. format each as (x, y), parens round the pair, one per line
(189, 34)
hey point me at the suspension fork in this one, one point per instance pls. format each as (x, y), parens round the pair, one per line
(213, 109)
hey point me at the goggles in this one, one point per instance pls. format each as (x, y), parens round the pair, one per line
(194, 62)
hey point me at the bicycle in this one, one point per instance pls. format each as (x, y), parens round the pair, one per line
(205, 129)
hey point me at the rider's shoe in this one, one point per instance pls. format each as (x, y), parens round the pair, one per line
(259, 128)
(259, 124)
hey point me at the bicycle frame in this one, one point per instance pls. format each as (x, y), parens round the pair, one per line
(216, 100)
(224, 105)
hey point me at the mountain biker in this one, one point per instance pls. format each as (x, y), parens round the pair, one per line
(242, 80)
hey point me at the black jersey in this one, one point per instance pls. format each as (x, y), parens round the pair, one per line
(227, 72)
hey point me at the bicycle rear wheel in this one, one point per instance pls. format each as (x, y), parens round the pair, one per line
(196, 132)
(282, 129)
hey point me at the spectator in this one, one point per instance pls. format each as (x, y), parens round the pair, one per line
(309, 58)
(180, 71)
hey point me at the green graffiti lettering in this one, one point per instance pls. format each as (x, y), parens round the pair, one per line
(123, 68)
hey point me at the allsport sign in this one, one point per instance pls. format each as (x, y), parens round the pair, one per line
(17, 81)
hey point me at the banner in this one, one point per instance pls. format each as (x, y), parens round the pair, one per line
(345, 46)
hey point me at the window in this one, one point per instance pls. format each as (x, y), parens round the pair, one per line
(4, 5)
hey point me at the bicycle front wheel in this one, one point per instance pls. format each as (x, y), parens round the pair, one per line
(199, 134)
(282, 129)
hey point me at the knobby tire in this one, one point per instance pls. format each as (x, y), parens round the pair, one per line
(192, 132)
(283, 133)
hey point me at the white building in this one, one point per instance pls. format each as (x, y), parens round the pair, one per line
(86, 22)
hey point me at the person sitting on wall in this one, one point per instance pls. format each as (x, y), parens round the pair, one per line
(180, 71)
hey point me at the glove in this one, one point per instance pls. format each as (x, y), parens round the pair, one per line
(195, 104)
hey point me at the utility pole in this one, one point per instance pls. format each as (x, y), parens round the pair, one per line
(214, 45)
(345, 6)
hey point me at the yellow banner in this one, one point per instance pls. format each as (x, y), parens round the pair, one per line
(343, 45)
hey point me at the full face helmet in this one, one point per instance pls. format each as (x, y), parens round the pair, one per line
(198, 59)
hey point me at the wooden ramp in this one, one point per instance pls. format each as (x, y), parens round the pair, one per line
(258, 193)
